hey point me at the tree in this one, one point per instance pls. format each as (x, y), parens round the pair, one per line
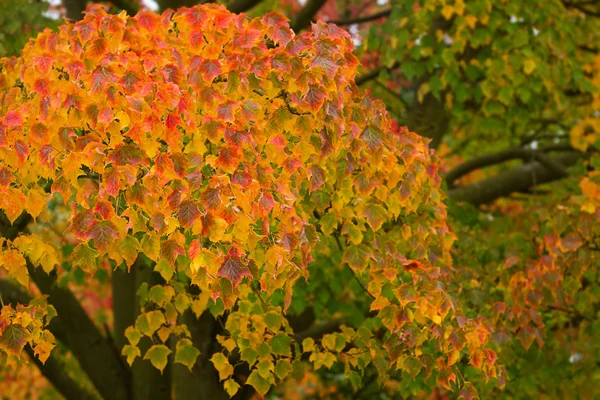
(259, 223)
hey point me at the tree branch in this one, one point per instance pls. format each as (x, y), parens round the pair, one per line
(83, 338)
(75, 9)
(241, 6)
(581, 7)
(131, 7)
(52, 369)
(507, 155)
(360, 20)
(518, 179)
(370, 75)
(306, 14)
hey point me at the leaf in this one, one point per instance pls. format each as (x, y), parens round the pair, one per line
(14, 338)
(188, 214)
(222, 365)
(283, 368)
(357, 257)
(186, 353)
(233, 269)
(103, 233)
(468, 392)
(231, 387)
(132, 335)
(128, 154)
(131, 352)
(84, 257)
(375, 215)
(372, 136)
(261, 385)
(129, 249)
(158, 356)
(280, 345)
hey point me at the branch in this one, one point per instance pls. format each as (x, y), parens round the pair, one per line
(83, 338)
(75, 9)
(518, 179)
(367, 76)
(241, 6)
(360, 20)
(506, 155)
(52, 369)
(581, 7)
(317, 331)
(306, 14)
(131, 7)
(55, 372)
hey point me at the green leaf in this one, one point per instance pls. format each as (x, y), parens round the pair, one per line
(158, 356)
(186, 353)
(273, 320)
(280, 345)
(375, 215)
(157, 294)
(231, 387)
(84, 257)
(131, 352)
(222, 365)
(132, 335)
(261, 385)
(357, 257)
(283, 368)
(129, 249)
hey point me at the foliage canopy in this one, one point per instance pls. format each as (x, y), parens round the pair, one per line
(218, 193)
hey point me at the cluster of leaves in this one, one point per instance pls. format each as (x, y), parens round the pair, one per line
(21, 20)
(228, 153)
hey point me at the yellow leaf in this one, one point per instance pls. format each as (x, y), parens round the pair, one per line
(529, 66)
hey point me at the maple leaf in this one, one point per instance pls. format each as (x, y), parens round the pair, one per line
(372, 136)
(128, 154)
(188, 213)
(233, 268)
(103, 233)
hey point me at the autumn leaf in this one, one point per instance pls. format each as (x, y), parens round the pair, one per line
(186, 353)
(157, 355)
(233, 268)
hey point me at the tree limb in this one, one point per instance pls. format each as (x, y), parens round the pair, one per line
(131, 7)
(54, 371)
(370, 75)
(581, 7)
(507, 155)
(241, 6)
(518, 179)
(360, 20)
(75, 8)
(306, 14)
(84, 338)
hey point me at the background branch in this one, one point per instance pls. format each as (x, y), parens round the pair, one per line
(518, 179)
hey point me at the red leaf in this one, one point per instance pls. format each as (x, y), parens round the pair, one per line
(81, 222)
(188, 213)
(210, 69)
(468, 392)
(103, 233)
(233, 268)
(22, 150)
(13, 118)
(211, 198)
(314, 97)
(128, 154)
(317, 177)
(169, 251)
